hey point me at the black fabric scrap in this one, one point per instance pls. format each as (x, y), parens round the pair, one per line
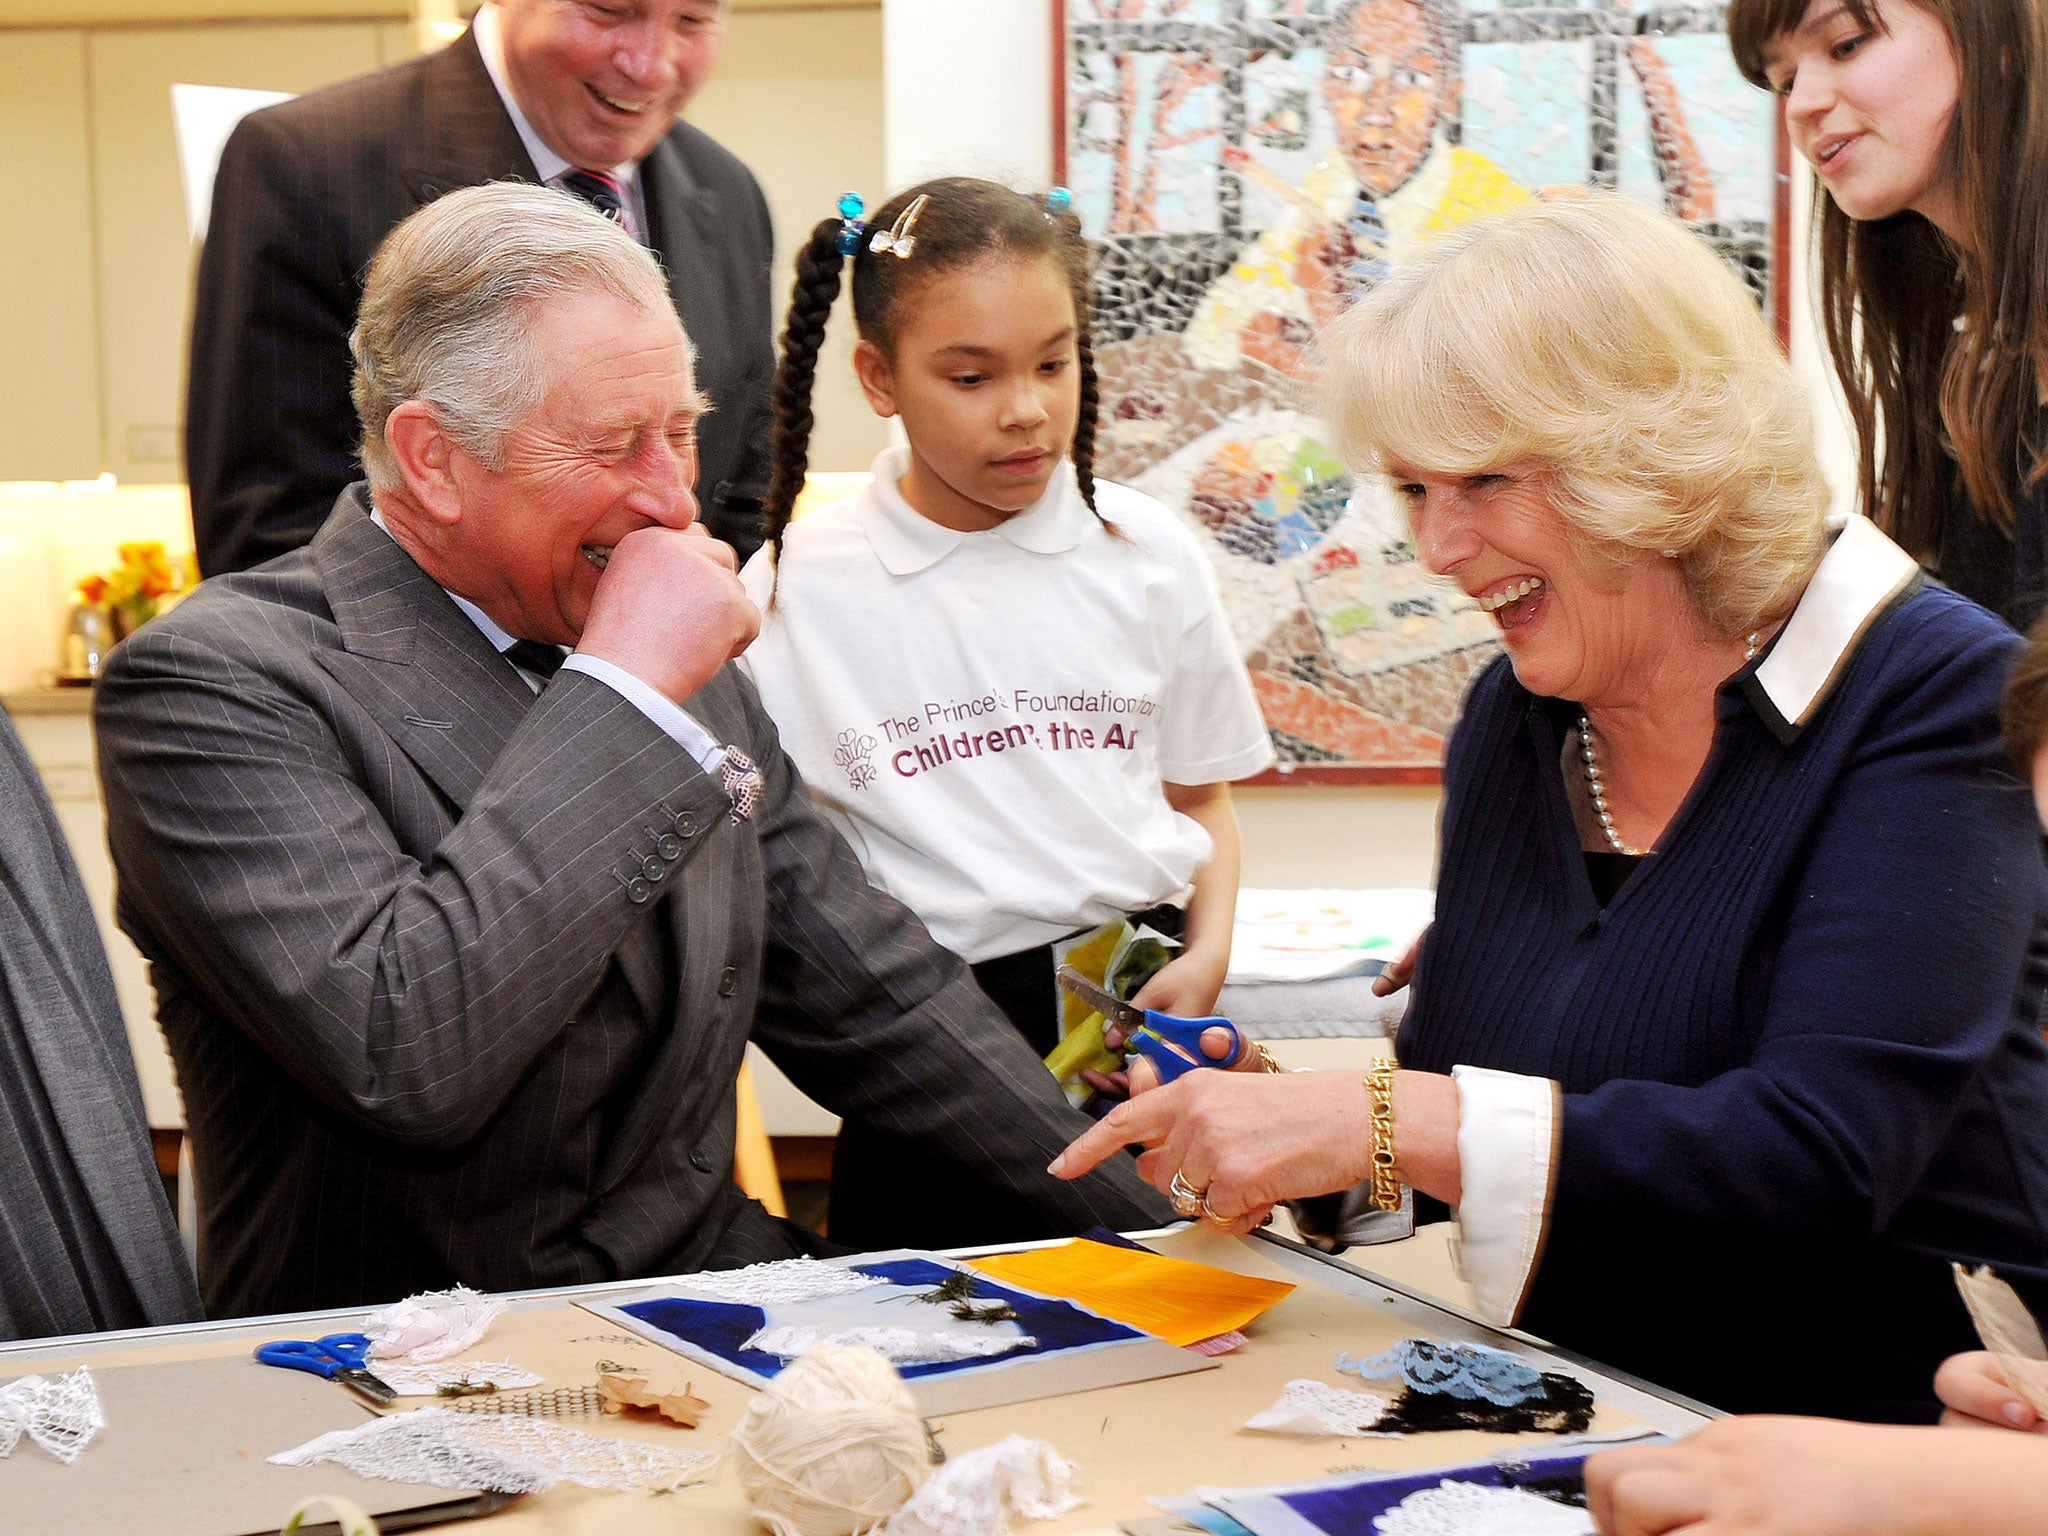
(1565, 1408)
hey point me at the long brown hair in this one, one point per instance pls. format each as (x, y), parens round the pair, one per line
(966, 220)
(2025, 709)
(1893, 290)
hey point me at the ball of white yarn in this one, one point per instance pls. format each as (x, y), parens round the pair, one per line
(832, 1445)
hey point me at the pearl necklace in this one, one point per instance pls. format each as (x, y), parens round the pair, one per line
(1598, 791)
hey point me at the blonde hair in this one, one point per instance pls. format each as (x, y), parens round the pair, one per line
(1615, 351)
(447, 304)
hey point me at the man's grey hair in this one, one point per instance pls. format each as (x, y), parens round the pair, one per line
(449, 300)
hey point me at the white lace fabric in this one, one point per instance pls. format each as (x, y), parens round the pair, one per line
(434, 1325)
(777, 1283)
(1468, 1509)
(1317, 1408)
(59, 1414)
(439, 1449)
(976, 1494)
(426, 1380)
(899, 1346)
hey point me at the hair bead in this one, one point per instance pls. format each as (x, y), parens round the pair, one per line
(851, 206)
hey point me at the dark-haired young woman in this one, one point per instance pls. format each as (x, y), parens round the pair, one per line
(1012, 686)
(1920, 119)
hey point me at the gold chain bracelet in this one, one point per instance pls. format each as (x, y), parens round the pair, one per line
(1265, 1058)
(1386, 1188)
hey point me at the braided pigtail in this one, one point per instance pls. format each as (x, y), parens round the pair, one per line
(818, 268)
(1083, 450)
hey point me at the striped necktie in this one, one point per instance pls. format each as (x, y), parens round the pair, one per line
(604, 192)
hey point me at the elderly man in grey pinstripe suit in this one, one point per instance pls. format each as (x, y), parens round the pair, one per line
(457, 942)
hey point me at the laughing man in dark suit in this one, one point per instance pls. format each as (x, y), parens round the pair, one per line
(458, 943)
(577, 93)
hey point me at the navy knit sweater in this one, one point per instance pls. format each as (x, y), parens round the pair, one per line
(1798, 1053)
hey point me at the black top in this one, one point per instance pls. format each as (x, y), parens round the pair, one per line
(2005, 572)
(1609, 871)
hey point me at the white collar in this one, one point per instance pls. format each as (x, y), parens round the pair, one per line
(906, 541)
(499, 636)
(490, 42)
(1858, 581)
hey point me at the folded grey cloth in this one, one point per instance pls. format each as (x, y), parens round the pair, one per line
(1343, 1007)
(1348, 1220)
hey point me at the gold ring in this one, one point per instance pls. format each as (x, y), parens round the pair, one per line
(1185, 1199)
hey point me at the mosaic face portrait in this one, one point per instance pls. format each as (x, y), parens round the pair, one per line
(1384, 89)
(1250, 170)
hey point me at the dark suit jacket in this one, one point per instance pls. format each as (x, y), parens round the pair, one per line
(306, 192)
(458, 979)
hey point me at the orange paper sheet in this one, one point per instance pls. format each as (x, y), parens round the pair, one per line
(1171, 1299)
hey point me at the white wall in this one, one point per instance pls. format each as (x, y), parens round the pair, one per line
(96, 266)
(798, 96)
(967, 90)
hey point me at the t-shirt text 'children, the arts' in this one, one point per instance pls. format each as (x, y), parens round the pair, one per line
(925, 738)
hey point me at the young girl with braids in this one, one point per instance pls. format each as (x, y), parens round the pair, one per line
(1011, 685)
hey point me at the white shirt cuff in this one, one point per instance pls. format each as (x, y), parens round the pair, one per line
(1508, 1128)
(663, 711)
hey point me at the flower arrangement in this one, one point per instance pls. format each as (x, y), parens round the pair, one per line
(134, 591)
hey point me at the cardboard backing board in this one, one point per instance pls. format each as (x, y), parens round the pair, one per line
(183, 1454)
(1020, 1381)
(959, 1387)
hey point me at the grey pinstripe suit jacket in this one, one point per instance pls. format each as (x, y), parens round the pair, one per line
(457, 979)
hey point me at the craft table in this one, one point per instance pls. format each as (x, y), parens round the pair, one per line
(1131, 1442)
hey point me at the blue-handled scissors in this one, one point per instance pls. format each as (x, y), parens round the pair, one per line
(1172, 1044)
(341, 1357)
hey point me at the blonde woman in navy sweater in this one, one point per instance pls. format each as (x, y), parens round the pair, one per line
(1722, 1042)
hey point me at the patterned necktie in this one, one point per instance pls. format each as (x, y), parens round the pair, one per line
(543, 661)
(603, 191)
(1368, 230)
(742, 782)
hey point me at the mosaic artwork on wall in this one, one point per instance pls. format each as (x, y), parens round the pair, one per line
(1247, 167)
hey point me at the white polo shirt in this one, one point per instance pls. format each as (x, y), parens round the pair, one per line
(989, 716)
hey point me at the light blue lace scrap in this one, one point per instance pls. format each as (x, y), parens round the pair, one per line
(1452, 1370)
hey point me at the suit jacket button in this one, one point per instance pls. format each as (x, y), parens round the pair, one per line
(669, 846)
(638, 890)
(686, 824)
(652, 868)
(700, 1162)
(728, 982)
